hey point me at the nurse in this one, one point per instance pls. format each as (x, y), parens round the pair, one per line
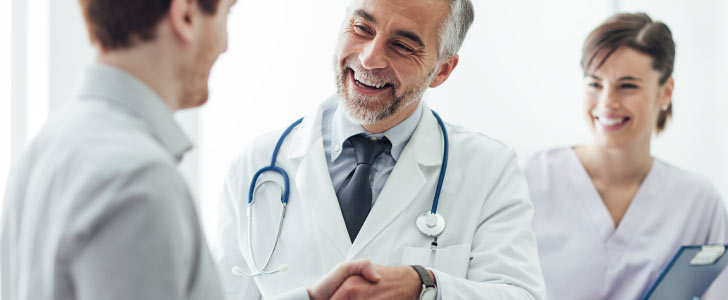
(609, 216)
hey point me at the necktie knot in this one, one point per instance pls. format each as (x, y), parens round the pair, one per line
(368, 148)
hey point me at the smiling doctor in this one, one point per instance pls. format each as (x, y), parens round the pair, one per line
(373, 174)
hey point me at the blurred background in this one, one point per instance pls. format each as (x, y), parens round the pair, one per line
(518, 79)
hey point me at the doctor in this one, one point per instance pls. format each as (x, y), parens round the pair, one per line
(365, 165)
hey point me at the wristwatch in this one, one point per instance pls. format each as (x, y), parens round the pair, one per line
(429, 290)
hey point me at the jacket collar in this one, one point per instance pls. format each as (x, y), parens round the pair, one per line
(107, 83)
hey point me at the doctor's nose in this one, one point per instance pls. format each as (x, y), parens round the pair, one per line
(373, 55)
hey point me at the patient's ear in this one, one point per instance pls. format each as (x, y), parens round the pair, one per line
(444, 71)
(182, 18)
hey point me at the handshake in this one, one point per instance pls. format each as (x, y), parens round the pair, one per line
(364, 280)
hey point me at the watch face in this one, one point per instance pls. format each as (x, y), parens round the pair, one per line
(429, 293)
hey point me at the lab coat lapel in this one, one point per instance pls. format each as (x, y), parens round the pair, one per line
(412, 171)
(313, 180)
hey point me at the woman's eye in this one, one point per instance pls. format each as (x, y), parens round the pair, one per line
(594, 85)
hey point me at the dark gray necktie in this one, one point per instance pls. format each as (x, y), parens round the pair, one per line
(355, 194)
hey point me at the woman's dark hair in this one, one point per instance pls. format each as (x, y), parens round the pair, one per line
(639, 32)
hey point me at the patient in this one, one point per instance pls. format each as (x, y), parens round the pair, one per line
(609, 215)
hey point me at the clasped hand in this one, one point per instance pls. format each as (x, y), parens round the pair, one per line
(364, 280)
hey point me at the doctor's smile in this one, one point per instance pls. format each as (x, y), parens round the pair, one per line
(367, 87)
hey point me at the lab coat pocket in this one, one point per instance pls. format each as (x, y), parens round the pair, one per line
(453, 260)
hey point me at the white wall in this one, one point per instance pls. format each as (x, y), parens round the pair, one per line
(70, 50)
(518, 80)
(5, 95)
(697, 139)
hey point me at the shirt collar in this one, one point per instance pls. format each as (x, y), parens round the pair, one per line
(101, 81)
(342, 129)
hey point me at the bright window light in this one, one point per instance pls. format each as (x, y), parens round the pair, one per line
(5, 94)
(37, 80)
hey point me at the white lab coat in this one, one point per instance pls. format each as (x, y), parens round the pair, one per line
(487, 251)
(582, 253)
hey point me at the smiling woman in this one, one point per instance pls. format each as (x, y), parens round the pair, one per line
(640, 208)
(653, 40)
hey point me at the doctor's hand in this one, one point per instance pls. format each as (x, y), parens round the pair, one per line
(398, 282)
(327, 286)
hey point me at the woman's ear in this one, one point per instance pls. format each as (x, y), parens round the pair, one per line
(667, 88)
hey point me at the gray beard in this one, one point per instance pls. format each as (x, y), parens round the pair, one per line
(357, 108)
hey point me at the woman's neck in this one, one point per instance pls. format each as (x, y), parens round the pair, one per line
(616, 166)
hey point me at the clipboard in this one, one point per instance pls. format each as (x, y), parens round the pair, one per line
(689, 273)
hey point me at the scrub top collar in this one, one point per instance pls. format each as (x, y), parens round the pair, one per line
(108, 83)
(398, 136)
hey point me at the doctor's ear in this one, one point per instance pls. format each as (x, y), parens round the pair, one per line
(444, 71)
(183, 18)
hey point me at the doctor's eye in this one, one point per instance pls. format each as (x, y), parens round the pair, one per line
(402, 48)
(363, 30)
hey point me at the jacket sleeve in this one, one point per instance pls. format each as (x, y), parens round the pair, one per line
(504, 259)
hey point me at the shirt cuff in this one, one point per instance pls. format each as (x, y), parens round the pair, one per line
(437, 284)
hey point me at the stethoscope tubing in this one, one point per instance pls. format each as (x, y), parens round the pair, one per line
(286, 193)
(443, 168)
(273, 168)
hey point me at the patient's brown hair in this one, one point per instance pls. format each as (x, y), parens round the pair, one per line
(636, 31)
(113, 23)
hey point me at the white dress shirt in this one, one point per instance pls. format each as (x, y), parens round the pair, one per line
(95, 207)
(340, 155)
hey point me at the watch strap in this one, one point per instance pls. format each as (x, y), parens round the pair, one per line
(425, 277)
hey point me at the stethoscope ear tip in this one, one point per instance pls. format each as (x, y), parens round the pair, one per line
(238, 271)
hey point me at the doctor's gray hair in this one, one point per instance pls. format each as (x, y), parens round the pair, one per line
(455, 27)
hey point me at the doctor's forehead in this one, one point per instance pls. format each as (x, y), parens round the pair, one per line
(411, 12)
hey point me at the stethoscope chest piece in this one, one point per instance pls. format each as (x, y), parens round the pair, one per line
(430, 224)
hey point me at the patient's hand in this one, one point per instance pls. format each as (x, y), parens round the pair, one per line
(326, 287)
(398, 282)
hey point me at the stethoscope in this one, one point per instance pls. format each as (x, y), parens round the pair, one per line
(430, 223)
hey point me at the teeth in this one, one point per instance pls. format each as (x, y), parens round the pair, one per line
(609, 121)
(365, 81)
